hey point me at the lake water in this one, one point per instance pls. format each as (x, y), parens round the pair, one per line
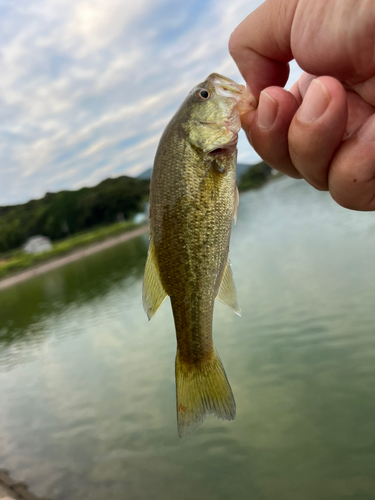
(87, 396)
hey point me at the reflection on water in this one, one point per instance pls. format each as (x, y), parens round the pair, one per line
(25, 307)
(87, 406)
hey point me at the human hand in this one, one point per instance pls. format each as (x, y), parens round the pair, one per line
(324, 128)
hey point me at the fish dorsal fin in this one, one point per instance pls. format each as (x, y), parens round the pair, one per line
(153, 293)
(227, 292)
(236, 203)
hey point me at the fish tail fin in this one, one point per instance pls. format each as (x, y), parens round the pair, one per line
(202, 389)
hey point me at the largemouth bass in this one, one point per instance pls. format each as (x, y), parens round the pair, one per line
(193, 201)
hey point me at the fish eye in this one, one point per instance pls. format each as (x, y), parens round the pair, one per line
(203, 95)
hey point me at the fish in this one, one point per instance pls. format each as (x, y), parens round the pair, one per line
(193, 201)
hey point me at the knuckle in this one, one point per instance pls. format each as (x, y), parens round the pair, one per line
(360, 198)
(345, 201)
(352, 182)
(233, 44)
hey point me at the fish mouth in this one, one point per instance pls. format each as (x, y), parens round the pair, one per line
(225, 86)
(227, 149)
(232, 123)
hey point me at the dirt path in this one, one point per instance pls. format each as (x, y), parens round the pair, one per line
(75, 255)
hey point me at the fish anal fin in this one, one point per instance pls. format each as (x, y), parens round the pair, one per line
(202, 389)
(227, 292)
(153, 293)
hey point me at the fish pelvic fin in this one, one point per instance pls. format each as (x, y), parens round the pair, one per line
(202, 389)
(227, 291)
(153, 293)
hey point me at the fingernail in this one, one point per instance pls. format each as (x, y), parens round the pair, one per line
(267, 110)
(304, 83)
(315, 102)
(367, 132)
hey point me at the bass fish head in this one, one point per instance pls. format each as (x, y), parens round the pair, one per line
(210, 115)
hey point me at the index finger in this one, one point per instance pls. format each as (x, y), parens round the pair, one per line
(260, 45)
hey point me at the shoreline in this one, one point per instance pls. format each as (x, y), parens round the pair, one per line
(71, 257)
(14, 490)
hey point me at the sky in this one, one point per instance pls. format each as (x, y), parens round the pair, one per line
(87, 86)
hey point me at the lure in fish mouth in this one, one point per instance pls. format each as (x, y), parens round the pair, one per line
(245, 101)
(193, 202)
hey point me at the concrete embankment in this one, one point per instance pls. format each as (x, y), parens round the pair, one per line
(75, 255)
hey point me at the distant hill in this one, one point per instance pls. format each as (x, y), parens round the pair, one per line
(57, 215)
(145, 175)
(241, 168)
(67, 212)
(254, 176)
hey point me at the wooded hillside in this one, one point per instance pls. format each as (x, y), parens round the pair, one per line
(67, 212)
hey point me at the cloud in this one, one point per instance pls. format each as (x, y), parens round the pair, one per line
(87, 86)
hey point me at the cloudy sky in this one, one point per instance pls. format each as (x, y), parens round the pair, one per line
(87, 86)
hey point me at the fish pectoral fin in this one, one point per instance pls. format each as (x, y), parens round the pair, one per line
(227, 292)
(153, 293)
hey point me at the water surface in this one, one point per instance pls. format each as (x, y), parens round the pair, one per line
(87, 404)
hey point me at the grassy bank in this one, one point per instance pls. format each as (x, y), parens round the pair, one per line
(16, 261)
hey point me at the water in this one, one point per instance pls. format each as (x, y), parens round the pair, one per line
(87, 404)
